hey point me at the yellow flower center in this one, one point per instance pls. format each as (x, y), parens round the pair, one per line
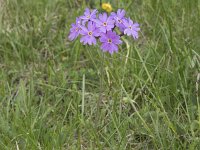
(77, 29)
(120, 21)
(105, 24)
(90, 33)
(109, 41)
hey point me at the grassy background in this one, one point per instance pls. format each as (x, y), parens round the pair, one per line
(49, 87)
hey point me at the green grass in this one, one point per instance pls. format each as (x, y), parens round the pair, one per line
(50, 87)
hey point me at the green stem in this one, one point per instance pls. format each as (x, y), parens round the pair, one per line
(100, 91)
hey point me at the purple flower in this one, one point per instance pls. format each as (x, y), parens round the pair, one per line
(118, 17)
(110, 41)
(89, 34)
(131, 28)
(88, 15)
(104, 23)
(75, 30)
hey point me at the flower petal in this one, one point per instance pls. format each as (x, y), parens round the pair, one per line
(104, 17)
(103, 38)
(94, 12)
(84, 29)
(90, 26)
(101, 17)
(105, 47)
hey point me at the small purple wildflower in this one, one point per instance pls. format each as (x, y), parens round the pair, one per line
(75, 30)
(110, 41)
(89, 34)
(131, 28)
(104, 23)
(118, 17)
(89, 15)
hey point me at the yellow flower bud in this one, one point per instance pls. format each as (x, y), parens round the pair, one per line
(107, 7)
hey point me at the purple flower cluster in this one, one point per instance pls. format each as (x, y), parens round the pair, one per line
(91, 28)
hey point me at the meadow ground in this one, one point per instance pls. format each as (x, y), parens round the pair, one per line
(50, 87)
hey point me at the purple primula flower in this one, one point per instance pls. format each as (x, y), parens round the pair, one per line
(75, 30)
(88, 15)
(110, 41)
(92, 28)
(131, 28)
(89, 34)
(104, 23)
(118, 17)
